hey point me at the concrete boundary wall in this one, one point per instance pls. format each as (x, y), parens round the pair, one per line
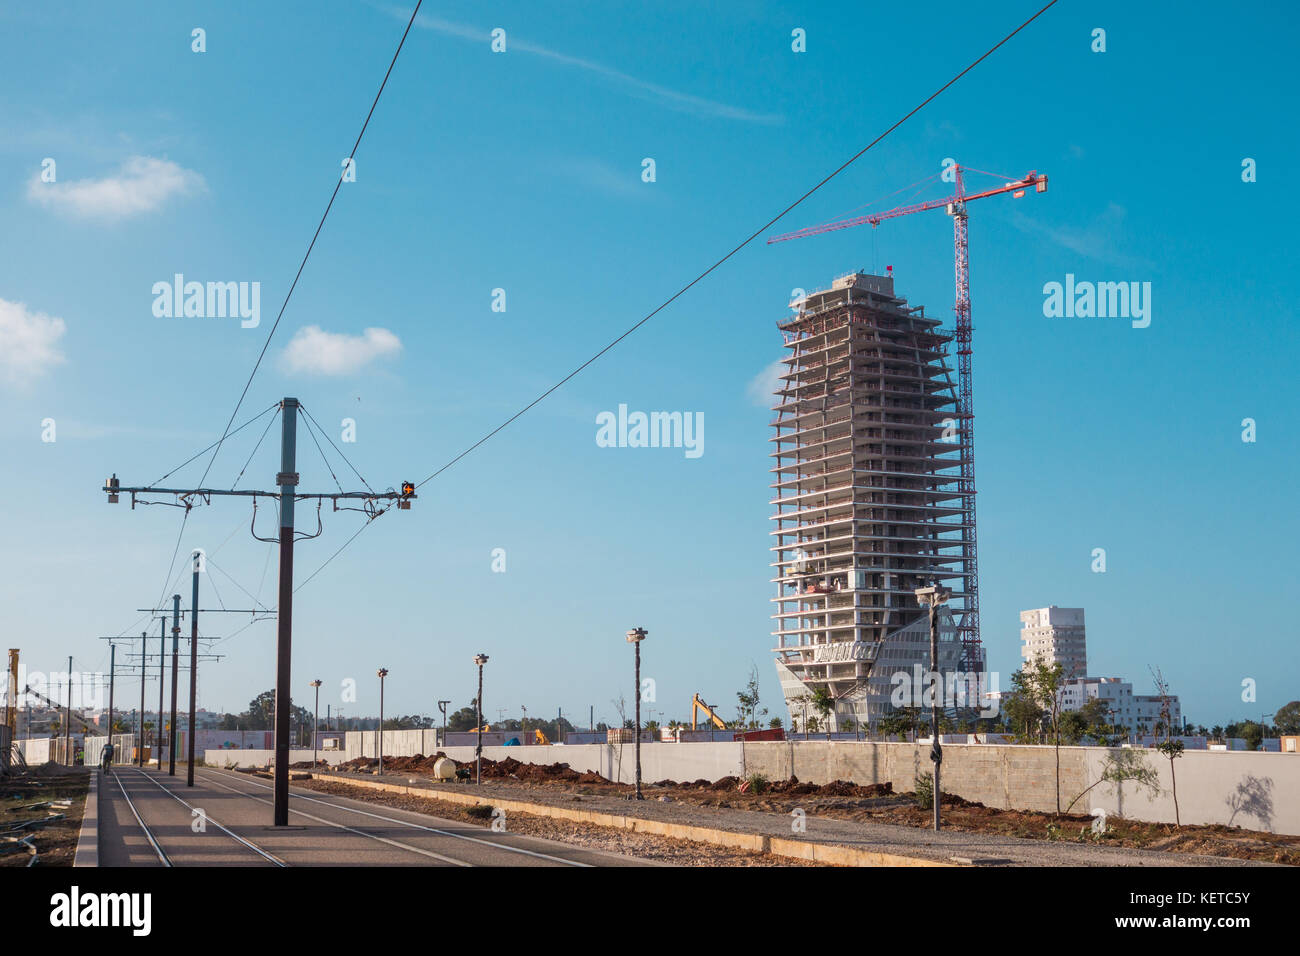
(1253, 790)
(397, 743)
(227, 759)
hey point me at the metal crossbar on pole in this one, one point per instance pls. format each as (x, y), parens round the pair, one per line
(374, 504)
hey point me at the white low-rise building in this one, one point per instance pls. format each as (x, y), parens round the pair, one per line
(1141, 713)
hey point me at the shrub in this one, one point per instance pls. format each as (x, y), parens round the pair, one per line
(924, 793)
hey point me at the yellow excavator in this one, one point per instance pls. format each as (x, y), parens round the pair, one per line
(697, 705)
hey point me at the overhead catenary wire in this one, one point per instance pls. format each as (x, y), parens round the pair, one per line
(273, 420)
(226, 432)
(213, 445)
(328, 467)
(360, 477)
(707, 272)
(312, 245)
(741, 245)
(232, 580)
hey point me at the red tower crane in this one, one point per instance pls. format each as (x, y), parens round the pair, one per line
(955, 205)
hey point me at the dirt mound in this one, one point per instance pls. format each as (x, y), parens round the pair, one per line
(562, 772)
(845, 788)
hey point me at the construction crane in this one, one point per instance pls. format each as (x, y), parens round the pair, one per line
(955, 205)
(86, 725)
(697, 705)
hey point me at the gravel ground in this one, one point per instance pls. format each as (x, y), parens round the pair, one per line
(56, 842)
(609, 839)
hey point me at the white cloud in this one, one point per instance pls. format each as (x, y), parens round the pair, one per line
(642, 89)
(317, 352)
(141, 185)
(594, 174)
(28, 343)
(762, 388)
(1099, 239)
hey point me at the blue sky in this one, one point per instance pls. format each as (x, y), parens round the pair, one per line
(522, 170)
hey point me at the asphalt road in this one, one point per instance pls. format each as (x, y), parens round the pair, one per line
(147, 818)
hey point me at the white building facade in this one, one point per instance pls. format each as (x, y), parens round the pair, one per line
(1055, 635)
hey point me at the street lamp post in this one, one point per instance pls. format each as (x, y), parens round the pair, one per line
(933, 597)
(635, 637)
(315, 734)
(480, 660)
(442, 706)
(383, 672)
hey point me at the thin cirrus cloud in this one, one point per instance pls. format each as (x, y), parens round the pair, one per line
(29, 343)
(141, 185)
(643, 89)
(313, 351)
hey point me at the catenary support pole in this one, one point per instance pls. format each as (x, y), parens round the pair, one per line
(112, 686)
(176, 649)
(194, 672)
(162, 683)
(287, 480)
(144, 672)
(67, 730)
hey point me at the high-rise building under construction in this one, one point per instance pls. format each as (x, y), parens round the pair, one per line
(867, 501)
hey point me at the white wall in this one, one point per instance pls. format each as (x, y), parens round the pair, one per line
(1253, 790)
(262, 758)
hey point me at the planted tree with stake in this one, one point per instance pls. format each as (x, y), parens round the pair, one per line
(1170, 748)
(823, 703)
(1043, 681)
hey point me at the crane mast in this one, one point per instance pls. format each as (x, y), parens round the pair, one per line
(968, 630)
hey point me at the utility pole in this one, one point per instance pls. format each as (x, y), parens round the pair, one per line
(139, 740)
(190, 743)
(67, 730)
(171, 727)
(194, 672)
(286, 481)
(635, 637)
(315, 724)
(480, 660)
(162, 682)
(112, 686)
(379, 732)
(934, 596)
(137, 730)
